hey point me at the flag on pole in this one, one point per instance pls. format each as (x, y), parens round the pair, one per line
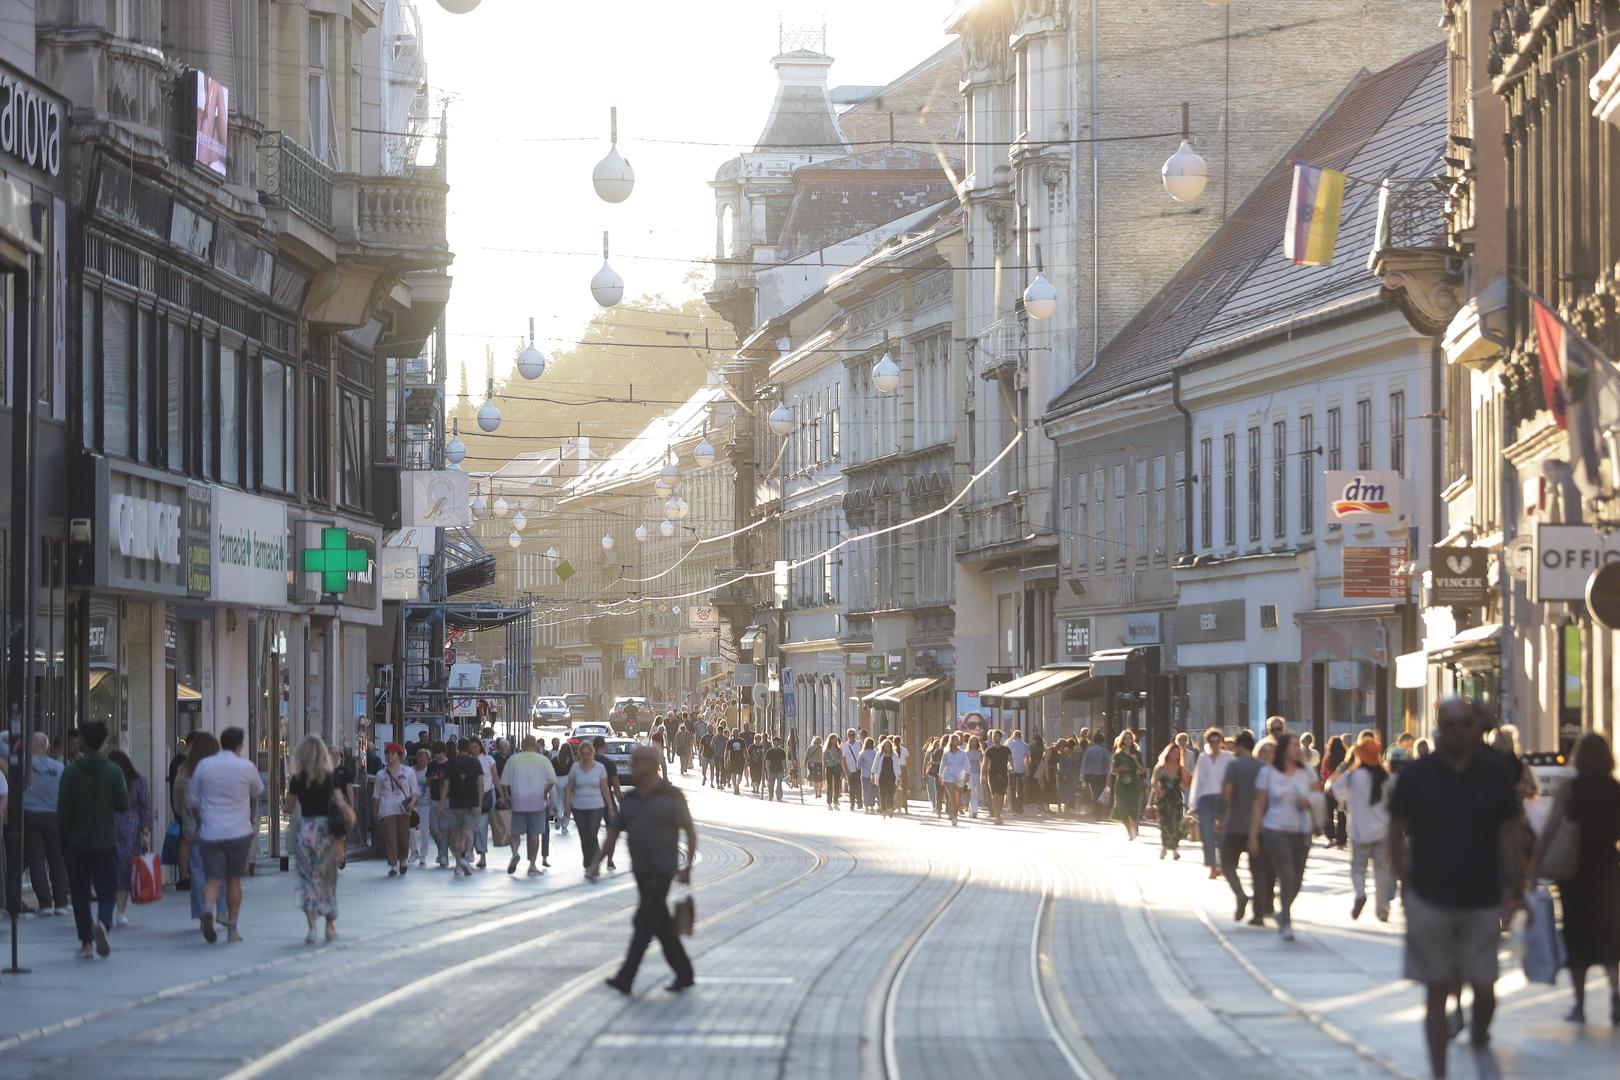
(1313, 217)
(1582, 388)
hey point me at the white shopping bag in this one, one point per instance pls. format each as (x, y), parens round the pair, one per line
(1544, 952)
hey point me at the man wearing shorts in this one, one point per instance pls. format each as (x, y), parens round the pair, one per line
(463, 798)
(996, 769)
(529, 781)
(1459, 808)
(224, 791)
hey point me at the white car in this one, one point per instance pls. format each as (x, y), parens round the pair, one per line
(590, 730)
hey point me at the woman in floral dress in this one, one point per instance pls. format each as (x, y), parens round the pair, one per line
(1170, 781)
(1126, 775)
(314, 852)
(134, 828)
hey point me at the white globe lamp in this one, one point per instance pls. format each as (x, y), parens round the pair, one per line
(780, 419)
(607, 542)
(641, 533)
(502, 507)
(1040, 298)
(886, 373)
(1185, 172)
(515, 540)
(666, 529)
(613, 178)
(455, 451)
(551, 553)
(704, 453)
(607, 287)
(520, 520)
(489, 415)
(531, 362)
(480, 506)
(458, 7)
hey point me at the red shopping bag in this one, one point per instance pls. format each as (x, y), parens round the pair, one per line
(146, 878)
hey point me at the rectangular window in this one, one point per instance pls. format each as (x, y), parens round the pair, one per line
(1160, 509)
(1229, 488)
(1183, 531)
(1099, 516)
(208, 413)
(1335, 447)
(1119, 513)
(272, 422)
(1082, 525)
(1279, 479)
(1307, 474)
(1065, 541)
(142, 379)
(354, 449)
(1254, 484)
(1364, 454)
(320, 122)
(116, 388)
(1206, 492)
(174, 371)
(1397, 431)
(230, 414)
(1141, 509)
(835, 437)
(319, 437)
(90, 387)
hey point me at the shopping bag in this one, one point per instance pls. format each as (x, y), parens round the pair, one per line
(684, 915)
(1544, 951)
(171, 844)
(500, 826)
(146, 878)
(1561, 859)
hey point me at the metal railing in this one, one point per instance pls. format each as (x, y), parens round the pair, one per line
(1411, 214)
(293, 177)
(1002, 342)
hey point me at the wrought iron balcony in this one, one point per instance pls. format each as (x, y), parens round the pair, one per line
(1412, 254)
(294, 178)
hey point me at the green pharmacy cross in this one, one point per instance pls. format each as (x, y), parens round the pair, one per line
(335, 560)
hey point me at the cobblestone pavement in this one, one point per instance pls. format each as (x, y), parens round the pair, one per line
(830, 944)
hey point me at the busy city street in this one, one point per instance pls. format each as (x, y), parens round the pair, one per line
(827, 944)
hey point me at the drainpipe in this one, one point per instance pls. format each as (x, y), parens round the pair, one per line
(1096, 202)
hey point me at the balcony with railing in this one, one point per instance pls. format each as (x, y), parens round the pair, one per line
(1412, 256)
(998, 348)
(295, 179)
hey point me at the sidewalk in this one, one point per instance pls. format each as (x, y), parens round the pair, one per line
(1344, 976)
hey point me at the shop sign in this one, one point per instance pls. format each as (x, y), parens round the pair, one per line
(147, 529)
(1077, 638)
(1363, 496)
(199, 540)
(1220, 620)
(250, 549)
(401, 573)
(1144, 628)
(877, 664)
(702, 617)
(1374, 573)
(1566, 556)
(1458, 576)
(434, 499)
(573, 660)
(30, 126)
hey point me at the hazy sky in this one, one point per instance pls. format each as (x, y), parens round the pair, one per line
(521, 72)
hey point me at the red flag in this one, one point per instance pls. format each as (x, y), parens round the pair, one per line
(1582, 388)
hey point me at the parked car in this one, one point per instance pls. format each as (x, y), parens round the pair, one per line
(550, 711)
(579, 706)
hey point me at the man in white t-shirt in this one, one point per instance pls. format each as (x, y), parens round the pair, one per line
(1208, 777)
(224, 791)
(529, 780)
(1019, 749)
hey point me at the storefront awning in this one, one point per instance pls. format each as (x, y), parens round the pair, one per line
(894, 695)
(1112, 661)
(1051, 683)
(1474, 639)
(1006, 689)
(182, 692)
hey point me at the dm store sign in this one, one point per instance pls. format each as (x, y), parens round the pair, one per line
(1364, 497)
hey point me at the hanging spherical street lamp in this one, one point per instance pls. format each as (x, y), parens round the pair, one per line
(662, 488)
(1040, 295)
(458, 7)
(607, 542)
(886, 373)
(704, 453)
(515, 540)
(480, 506)
(607, 286)
(531, 362)
(670, 474)
(613, 178)
(455, 451)
(1185, 172)
(502, 507)
(551, 553)
(519, 520)
(641, 533)
(780, 419)
(666, 529)
(489, 415)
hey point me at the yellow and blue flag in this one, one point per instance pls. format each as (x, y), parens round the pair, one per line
(1313, 215)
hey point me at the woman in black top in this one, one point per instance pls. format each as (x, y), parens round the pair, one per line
(314, 848)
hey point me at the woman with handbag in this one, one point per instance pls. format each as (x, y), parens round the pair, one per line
(1577, 849)
(396, 792)
(134, 828)
(318, 804)
(1125, 777)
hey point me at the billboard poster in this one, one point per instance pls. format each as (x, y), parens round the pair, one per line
(212, 100)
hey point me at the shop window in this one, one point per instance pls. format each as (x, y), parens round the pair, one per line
(1206, 492)
(89, 372)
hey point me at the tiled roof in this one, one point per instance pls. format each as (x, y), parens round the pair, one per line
(1390, 122)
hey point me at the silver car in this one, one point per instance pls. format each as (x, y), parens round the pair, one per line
(549, 712)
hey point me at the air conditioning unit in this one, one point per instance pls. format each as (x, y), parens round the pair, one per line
(1268, 616)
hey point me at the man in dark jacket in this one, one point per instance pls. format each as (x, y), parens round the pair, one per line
(92, 792)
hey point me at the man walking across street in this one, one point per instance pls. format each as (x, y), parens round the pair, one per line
(1232, 822)
(1019, 749)
(463, 795)
(42, 835)
(529, 780)
(1459, 808)
(775, 768)
(91, 792)
(655, 814)
(224, 790)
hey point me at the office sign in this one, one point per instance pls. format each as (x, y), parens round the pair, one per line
(1565, 557)
(1459, 576)
(1363, 496)
(1374, 573)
